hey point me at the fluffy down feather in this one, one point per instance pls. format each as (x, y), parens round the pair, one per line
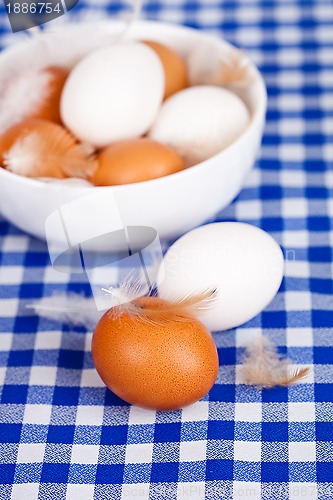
(265, 368)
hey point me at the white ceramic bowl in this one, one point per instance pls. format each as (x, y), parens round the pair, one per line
(172, 205)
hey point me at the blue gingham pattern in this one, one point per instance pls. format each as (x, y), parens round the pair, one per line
(64, 436)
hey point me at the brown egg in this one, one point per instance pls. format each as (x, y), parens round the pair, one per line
(40, 148)
(176, 76)
(49, 107)
(135, 160)
(162, 364)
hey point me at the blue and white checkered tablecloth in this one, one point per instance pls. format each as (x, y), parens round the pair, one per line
(64, 436)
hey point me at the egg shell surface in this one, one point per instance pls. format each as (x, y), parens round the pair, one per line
(114, 93)
(163, 366)
(242, 261)
(135, 160)
(200, 121)
(176, 77)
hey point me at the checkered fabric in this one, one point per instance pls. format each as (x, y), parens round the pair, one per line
(64, 436)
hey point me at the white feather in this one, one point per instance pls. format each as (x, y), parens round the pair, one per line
(21, 95)
(72, 309)
(123, 295)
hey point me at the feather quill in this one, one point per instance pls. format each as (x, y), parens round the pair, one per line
(195, 304)
(263, 367)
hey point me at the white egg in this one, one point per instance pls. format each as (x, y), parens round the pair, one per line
(242, 261)
(201, 121)
(114, 93)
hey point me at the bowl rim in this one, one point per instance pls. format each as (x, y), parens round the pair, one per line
(257, 115)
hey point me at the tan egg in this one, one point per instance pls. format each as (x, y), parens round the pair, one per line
(176, 74)
(40, 148)
(155, 360)
(135, 160)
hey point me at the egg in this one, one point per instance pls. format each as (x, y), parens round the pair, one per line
(243, 262)
(161, 364)
(201, 121)
(33, 94)
(40, 148)
(135, 160)
(176, 77)
(113, 93)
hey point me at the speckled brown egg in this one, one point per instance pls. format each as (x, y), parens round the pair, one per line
(161, 362)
